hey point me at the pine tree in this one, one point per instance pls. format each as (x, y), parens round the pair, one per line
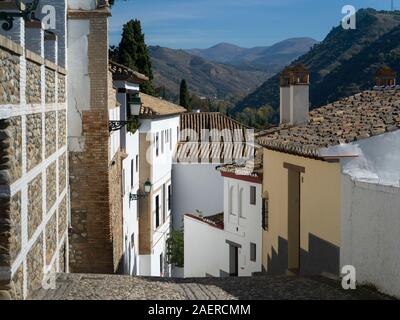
(184, 97)
(133, 53)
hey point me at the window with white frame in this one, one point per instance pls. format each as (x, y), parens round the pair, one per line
(231, 199)
(253, 200)
(170, 139)
(157, 145)
(162, 141)
(241, 203)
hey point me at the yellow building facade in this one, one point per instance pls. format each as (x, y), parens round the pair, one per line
(303, 208)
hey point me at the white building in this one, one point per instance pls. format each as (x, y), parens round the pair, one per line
(158, 137)
(126, 83)
(206, 141)
(229, 243)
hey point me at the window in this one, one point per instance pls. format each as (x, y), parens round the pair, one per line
(169, 197)
(137, 163)
(253, 196)
(253, 252)
(161, 264)
(132, 173)
(157, 211)
(164, 198)
(177, 133)
(170, 139)
(157, 146)
(265, 214)
(162, 141)
(230, 199)
(240, 204)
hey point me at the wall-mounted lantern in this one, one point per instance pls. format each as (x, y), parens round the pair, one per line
(147, 188)
(134, 104)
(26, 11)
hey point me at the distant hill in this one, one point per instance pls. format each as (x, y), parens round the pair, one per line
(222, 52)
(344, 63)
(224, 71)
(269, 58)
(204, 77)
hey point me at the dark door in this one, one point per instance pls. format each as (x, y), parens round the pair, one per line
(294, 221)
(233, 261)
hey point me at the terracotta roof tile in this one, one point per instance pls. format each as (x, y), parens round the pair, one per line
(154, 107)
(121, 72)
(213, 137)
(361, 116)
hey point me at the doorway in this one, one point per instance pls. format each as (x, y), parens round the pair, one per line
(233, 258)
(294, 227)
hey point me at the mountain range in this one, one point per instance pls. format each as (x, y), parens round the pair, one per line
(224, 71)
(268, 58)
(343, 64)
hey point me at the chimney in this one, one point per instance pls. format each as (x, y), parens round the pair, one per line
(385, 77)
(285, 96)
(295, 95)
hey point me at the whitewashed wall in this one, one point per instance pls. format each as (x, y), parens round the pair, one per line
(160, 174)
(206, 252)
(114, 114)
(206, 247)
(78, 81)
(196, 187)
(377, 159)
(370, 233)
(130, 208)
(244, 228)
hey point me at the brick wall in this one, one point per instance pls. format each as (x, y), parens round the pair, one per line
(96, 213)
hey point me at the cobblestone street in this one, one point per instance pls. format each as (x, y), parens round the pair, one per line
(114, 287)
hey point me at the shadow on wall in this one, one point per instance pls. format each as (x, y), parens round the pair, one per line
(322, 257)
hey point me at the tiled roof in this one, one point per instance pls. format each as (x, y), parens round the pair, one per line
(216, 220)
(252, 167)
(121, 72)
(199, 121)
(154, 107)
(363, 115)
(218, 138)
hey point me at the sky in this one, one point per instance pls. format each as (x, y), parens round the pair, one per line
(184, 24)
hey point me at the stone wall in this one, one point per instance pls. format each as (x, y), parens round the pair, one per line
(11, 150)
(51, 131)
(61, 88)
(51, 238)
(17, 288)
(51, 185)
(9, 78)
(62, 128)
(62, 218)
(50, 86)
(33, 140)
(62, 173)
(33, 83)
(26, 127)
(35, 211)
(35, 265)
(15, 231)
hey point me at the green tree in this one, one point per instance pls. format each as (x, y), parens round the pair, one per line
(175, 248)
(184, 97)
(133, 53)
